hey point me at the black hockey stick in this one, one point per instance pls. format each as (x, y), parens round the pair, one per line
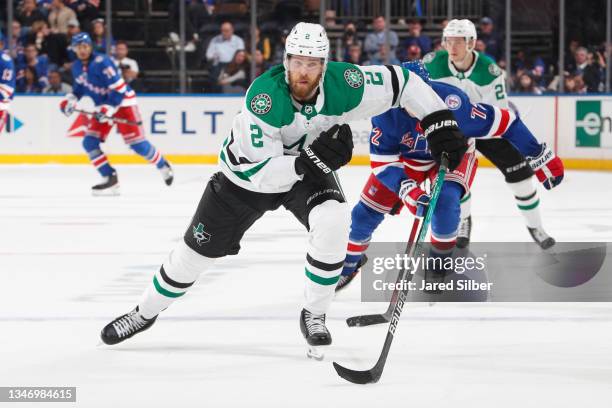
(116, 120)
(373, 375)
(367, 320)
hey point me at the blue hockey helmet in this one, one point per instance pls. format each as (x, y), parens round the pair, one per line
(81, 38)
(418, 68)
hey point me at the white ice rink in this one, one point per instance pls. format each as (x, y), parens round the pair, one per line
(71, 262)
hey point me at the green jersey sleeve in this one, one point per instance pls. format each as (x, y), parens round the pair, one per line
(366, 91)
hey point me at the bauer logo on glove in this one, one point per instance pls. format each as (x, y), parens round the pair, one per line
(547, 167)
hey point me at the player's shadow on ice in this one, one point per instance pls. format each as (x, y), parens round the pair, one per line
(280, 351)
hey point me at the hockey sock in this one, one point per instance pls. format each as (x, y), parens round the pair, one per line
(173, 279)
(91, 144)
(528, 201)
(327, 239)
(445, 220)
(466, 205)
(150, 153)
(364, 221)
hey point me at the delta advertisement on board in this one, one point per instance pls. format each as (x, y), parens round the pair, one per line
(191, 129)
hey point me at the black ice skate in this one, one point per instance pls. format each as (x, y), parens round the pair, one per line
(541, 237)
(316, 334)
(345, 280)
(125, 326)
(167, 174)
(108, 187)
(465, 230)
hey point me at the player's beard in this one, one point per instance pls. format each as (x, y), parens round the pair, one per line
(303, 91)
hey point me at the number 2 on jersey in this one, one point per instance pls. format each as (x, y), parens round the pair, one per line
(256, 136)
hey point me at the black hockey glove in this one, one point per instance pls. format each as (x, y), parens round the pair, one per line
(330, 151)
(443, 135)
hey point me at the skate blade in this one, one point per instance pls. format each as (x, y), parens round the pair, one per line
(315, 353)
(109, 192)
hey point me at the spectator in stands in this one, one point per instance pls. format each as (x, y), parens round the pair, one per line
(234, 76)
(263, 44)
(30, 82)
(481, 47)
(574, 84)
(261, 65)
(56, 85)
(415, 26)
(128, 66)
(375, 41)
(53, 45)
(527, 85)
(18, 39)
(29, 13)
(44, 6)
(437, 45)
(595, 71)
(31, 59)
(491, 38)
(222, 48)
(355, 56)
(197, 12)
(580, 60)
(348, 39)
(330, 20)
(570, 62)
(533, 65)
(37, 33)
(98, 36)
(381, 60)
(59, 17)
(443, 24)
(413, 52)
(279, 48)
(86, 11)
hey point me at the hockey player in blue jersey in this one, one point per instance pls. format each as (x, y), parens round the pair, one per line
(7, 83)
(95, 75)
(401, 161)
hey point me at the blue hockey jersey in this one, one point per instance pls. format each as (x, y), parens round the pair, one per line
(397, 140)
(7, 80)
(101, 80)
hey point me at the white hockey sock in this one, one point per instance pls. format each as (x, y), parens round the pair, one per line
(466, 205)
(327, 240)
(173, 279)
(528, 201)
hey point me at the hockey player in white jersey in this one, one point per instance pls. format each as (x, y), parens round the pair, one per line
(284, 146)
(479, 77)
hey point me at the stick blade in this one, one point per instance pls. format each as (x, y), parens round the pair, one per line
(366, 320)
(357, 377)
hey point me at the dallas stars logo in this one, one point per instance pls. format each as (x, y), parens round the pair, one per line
(261, 103)
(200, 235)
(353, 77)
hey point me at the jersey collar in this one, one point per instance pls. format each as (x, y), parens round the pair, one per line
(463, 74)
(306, 109)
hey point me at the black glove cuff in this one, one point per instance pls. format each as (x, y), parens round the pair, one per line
(442, 119)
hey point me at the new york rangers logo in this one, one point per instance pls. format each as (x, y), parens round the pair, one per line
(372, 190)
(408, 140)
(453, 102)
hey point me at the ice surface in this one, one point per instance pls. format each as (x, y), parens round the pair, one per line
(71, 262)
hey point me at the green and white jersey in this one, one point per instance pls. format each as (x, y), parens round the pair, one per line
(272, 127)
(484, 82)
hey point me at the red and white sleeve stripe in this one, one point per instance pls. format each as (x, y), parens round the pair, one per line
(119, 86)
(379, 162)
(6, 91)
(501, 122)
